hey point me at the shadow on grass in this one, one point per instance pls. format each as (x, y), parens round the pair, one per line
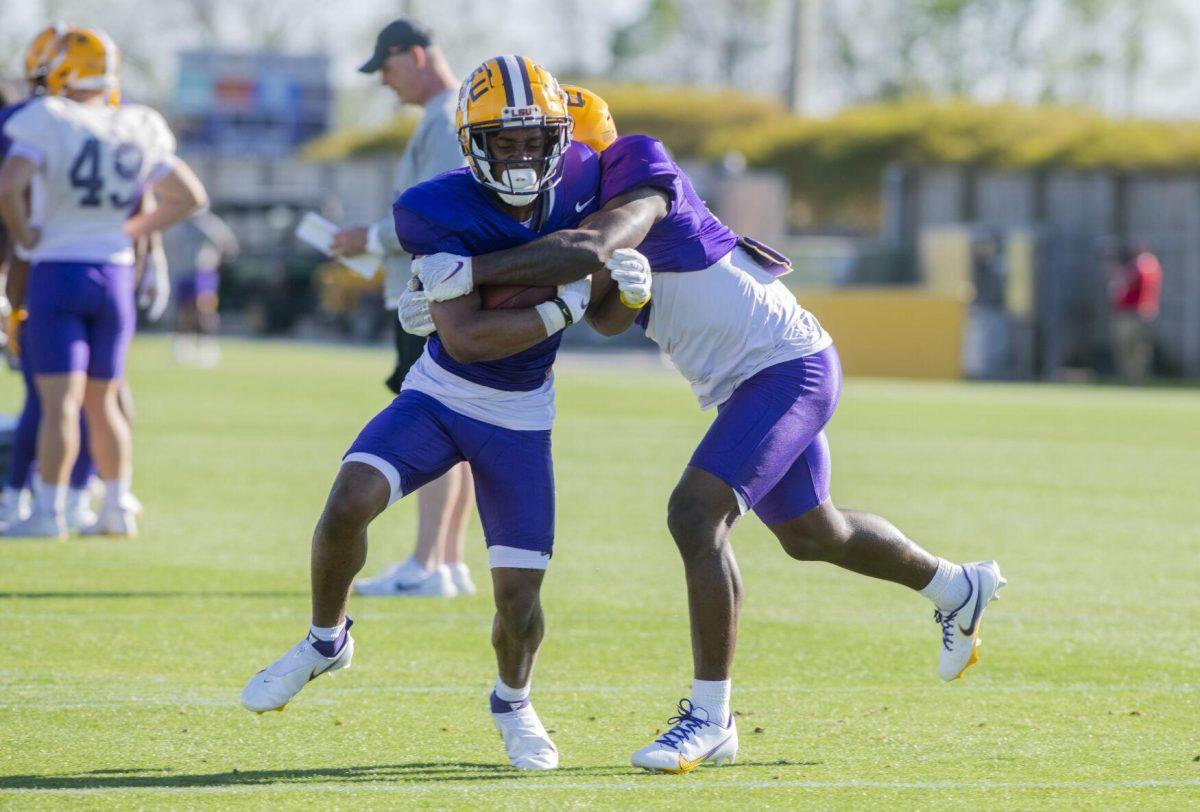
(415, 773)
(154, 595)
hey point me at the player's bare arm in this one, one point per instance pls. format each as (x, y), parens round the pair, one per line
(554, 259)
(607, 314)
(471, 334)
(179, 193)
(16, 280)
(15, 176)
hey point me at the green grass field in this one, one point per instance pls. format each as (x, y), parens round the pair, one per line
(122, 661)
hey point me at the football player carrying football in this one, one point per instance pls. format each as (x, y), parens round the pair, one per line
(715, 304)
(482, 391)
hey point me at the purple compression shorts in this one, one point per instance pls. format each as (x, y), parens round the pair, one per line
(417, 439)
(81, 318)
(768, 440)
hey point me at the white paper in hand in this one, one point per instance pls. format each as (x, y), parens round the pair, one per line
(318, 232)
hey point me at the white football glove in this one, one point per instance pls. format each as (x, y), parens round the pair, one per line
(631, 271)
(414, 313)
(154, 292)
(444, 276)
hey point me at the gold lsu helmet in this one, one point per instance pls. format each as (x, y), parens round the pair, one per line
(39, 52)
(511, 92)
(84, 59)
(594, 123)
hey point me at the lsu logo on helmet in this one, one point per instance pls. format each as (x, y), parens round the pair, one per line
(594, 123)
(509, 92)
(84, 59)
(39, 53)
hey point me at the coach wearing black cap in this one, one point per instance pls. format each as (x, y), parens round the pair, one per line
(409, 62)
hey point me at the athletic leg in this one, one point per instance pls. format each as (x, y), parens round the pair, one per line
(402, 448)
(514, 486)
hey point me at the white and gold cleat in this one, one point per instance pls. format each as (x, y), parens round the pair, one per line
(692, 740)
(960, 627)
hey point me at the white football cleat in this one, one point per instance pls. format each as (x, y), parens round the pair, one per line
(398, 580)
(527, 742)
(274, 686)
(406, 573)
(79, 510)
(461, 576)
(132, 504)
(114, 522)
(15, 506)
(960, 628)
(40, 524)
(691, 741)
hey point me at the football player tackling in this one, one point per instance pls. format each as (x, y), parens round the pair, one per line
(716, 307)
(482, 391)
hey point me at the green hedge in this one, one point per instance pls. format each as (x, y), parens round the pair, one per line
(834, 164)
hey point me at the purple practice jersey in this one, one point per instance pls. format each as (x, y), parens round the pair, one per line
(690, 238)
(453, 213)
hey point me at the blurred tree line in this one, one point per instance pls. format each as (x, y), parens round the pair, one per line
(1104, 53)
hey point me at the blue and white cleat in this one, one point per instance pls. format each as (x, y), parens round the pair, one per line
(960, 628)
(526, 740)
(274, 686)
(691, 741)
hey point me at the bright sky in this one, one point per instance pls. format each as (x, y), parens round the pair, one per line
(559, 33)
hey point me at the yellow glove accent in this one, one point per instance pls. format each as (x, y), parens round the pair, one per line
(632, 306)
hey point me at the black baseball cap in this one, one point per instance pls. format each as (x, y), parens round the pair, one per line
(396, 38)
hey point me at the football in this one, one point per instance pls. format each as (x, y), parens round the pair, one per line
(508, 297)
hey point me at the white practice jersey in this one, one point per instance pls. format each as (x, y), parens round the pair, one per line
(519, 411)
(721, 325)
(93, 161)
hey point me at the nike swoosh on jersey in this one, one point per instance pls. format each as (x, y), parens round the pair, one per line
(581, 206)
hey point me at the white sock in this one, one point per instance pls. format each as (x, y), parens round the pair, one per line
(327, 633)
(458, 566)
(713, 697)
(949, 587)
(114, 492)
(510, 694)
(52, 499)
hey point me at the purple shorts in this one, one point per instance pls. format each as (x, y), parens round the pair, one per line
(417, 439)
(81, 318)
(195, 285)
(768, 441)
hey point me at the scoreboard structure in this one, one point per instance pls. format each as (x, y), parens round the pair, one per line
(261, 104)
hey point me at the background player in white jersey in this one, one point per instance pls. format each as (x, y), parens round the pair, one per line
(716, 307)
(21, 475)
(88, 163)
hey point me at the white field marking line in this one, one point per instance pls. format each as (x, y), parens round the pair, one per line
(647, 784)
(19, 699)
